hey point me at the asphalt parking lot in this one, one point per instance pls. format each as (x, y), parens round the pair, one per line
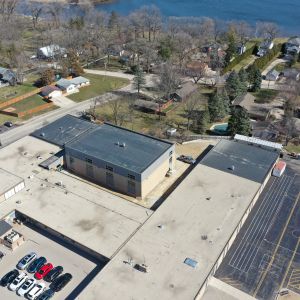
(265, 257)
(80, 267)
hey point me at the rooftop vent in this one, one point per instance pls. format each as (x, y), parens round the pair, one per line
(123, 145)
(232, 168)
(204, 237)
(142, 268)
(42, 134)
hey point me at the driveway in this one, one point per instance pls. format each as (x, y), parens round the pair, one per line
(273, 64)
(62, 101)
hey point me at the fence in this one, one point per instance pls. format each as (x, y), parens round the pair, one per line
(192, 138)
(19, 98)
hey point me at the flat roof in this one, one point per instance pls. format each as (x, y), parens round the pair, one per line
(208, 203)
(82, 211)
(120, 147)
(63, 130)
(240, 159)
(8, 181)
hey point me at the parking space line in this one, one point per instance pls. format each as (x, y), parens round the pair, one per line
(264, 274)
(246, 251)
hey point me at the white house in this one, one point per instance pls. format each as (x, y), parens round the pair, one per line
(264, 47)
(50, 51)
(67, 86)
(80, 81)
(50, 91)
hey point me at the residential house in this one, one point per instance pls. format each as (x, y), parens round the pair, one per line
(292, 74)
(184, 91)
(255, 110)
(67, 86)
(272, 75)
(264, 47)
(50, 91)
(50, 52)
(293, 46)
(8, 76)
(241, 49)
(80, 81)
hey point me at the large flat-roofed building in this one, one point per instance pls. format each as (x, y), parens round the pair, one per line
(120, 159)
(179, 248)
(10, 184)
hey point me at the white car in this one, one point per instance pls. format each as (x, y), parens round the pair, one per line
(18, 282)
(26, 287)
(36, 291)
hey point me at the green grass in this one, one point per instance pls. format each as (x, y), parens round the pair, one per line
(244, 63)
(10, 92)
(281, 67)
(265, 96)
(99, 85)
(150, 123)
(292, 148)
(28, 103)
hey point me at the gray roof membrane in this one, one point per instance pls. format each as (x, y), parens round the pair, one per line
(120, 147)
(243, 160)
(63, 130)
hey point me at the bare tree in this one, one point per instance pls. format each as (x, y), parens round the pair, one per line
(190, 106)
(36, 10)
(118, 114)
(182, 44)
(267, 30)
(196, 70)
(7, 8)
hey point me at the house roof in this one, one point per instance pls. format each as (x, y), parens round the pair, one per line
(247, 101)
(4, 227)
(47, 90)
(119, 146)
(294, 41)
(147, 104)
(64, 83)
(79, 80)
(8, 181)
(7, 74)
(274, 73)
(186, 89)
(241, 160)
(51, 50)
(291, 73)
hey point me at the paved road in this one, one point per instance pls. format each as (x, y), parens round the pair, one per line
(37, 122)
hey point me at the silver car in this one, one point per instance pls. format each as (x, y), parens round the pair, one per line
(26, 260)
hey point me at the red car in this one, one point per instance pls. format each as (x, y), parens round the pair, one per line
(43, 271)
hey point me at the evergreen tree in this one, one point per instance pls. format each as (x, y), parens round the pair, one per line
(243, 75)
(139, 79)
(113, 21)
(216, 107)
(239, 122)
(234, 86)
(201, 121)
(254, 77)
(231, 50)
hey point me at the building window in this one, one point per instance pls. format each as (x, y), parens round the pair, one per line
(89, 161)
(131, 187)
(109, 168)
(131, 176)
(109, 179)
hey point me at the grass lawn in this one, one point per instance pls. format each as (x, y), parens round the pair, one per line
(99, 85)
(10, 92)
(28, 103)
(292, 148)
(265, 96)
(244, 63)
(114, 65)
(281, 67)
(150, 123)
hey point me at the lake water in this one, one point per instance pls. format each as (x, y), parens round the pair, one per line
(286, 13)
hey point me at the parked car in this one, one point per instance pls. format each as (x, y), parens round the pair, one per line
(60, 282)
(18, 281)
(46, 295)
(37, 264)
(187, 159)
(9, 277)
(26, 260)
(54, 273)
(8, 124)
(26, 286)
(36, 291)
(43, 271)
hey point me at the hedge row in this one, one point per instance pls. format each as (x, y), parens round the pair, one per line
(262, 62)
(238, 59)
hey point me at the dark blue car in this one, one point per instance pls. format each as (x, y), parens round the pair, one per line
(36, 264)
(46, 295)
